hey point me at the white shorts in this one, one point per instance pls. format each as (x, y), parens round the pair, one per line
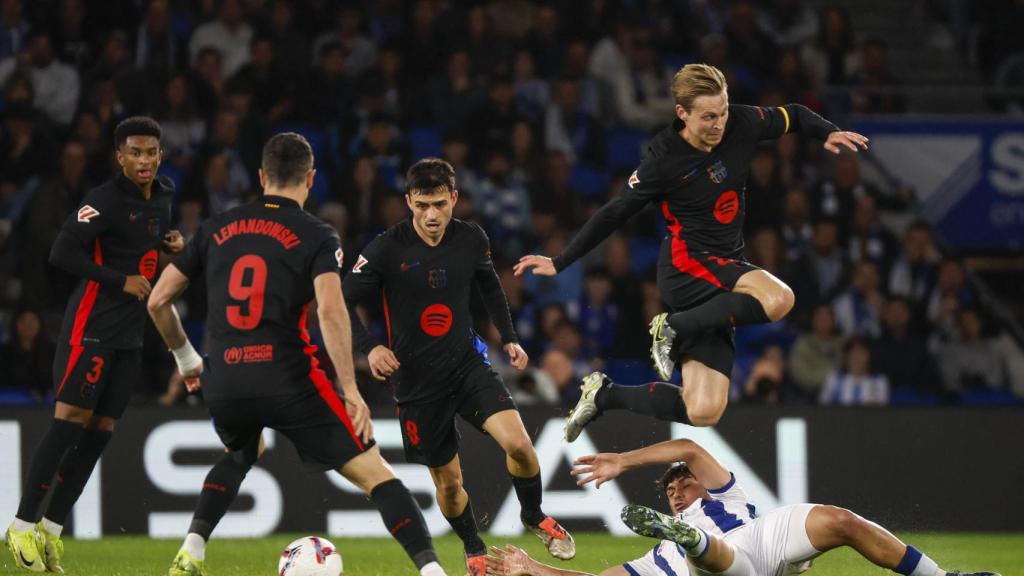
(776, 543)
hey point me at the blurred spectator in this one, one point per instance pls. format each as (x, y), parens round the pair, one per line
(599, 314)
(97, 141)
(290, 44)
(570, 129)
(765, 250)
(208, 80)
(493, 120)
(609, 62)
(869, 239)
(424, 45)
(631, 338)
(27, 358)
(831, 59)
(565, 288)
(643, 98)
(362, 196)
(856, 383)
(557, 366)
(827, 259)
(531, 93)
(837, 196)
(877, 90)
(764, 193)
(555, 203)
(971, 362)
(914, 272)
(158, 50)
(454, 96)
(14, 29)
(55, 84)
(228, 33)
(858, 309)
(526, 154)
(765, 383)
(796, 226)
(182, 130)
(220, 166)
(544, 42)
(26, 149)
(817, 353)
(575, 64)
(348, 30)
(789, 22)
(73, 36)
(951, 288)
(749, 46)
(901, 353)
(268, 79)
(504, 205)
(486, 45)
(327, 95)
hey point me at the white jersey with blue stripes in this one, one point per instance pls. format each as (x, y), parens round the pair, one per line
(727, 509)
(665, 559)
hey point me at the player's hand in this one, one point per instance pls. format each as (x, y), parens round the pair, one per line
(516, 355)
(192, 384)
(359, 413)
(383, 362)
(601, 467)
(137, 286)
(541, 265)
(510, 561)
(851, 140)
(173, 242)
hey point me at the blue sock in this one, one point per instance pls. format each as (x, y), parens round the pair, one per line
(914, 563)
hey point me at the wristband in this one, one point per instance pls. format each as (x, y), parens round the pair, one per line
(187, 359)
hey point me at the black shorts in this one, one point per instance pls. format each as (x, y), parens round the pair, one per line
(96, 378)
(316, 422)
(429, 433)
(690, 281)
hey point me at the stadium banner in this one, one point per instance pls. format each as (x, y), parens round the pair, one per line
(907, 468)
(968, 174)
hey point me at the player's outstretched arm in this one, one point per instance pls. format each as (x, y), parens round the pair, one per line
(799, 118)
(161, 309)
(336, 327)
(513, 561)
(603, 467)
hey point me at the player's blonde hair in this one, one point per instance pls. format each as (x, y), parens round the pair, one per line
(695, 80)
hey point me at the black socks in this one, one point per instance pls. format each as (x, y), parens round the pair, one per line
(465, 526)
(74, 472)
(219, 490)
(404, 521)
(529, 491)
(661, 400)
(722, 311)
(58, 440)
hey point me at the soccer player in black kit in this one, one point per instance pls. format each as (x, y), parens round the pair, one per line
(113, 243)
(265, 263)
(696, 171)
(425, 268)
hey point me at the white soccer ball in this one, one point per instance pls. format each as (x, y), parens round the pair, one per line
(310, 556)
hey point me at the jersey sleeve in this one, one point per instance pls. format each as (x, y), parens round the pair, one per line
(76, 248)
(328, 256)
(767, 122)
(192, 259)
(732, 492)
(491, 289)
(645, 185)
(363, 282)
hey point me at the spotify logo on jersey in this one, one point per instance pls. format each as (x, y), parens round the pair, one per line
(436, 320)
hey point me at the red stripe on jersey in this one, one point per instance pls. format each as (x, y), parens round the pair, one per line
(76, 352)
(92, 289)
(387, 315)
(323, 385)
(681, 255)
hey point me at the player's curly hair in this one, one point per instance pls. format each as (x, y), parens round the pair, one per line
(677, 470)
(695, 80)
(429, 174)
(287, 158)
(135, 126)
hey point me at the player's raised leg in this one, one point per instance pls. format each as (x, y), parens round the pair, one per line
(830, 527)
(506, 427)
(756, 298)
(398, 509)
(453, 500)
(705, 551)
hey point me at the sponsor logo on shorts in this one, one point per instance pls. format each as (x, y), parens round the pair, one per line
(252, 354)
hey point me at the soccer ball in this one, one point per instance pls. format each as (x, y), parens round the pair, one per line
(310, 556)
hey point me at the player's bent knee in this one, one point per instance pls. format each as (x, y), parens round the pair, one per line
(521, 450)
(844, 524)
(449, 488)
(779, 303)
(702, 417)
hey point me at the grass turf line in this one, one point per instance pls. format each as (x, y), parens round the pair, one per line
(137, 556)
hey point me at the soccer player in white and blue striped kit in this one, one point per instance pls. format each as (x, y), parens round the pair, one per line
(717, 530)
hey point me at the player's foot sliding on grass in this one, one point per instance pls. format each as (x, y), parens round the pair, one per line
(696, 171)
(421, 272)
(719, 531)
(264, 263)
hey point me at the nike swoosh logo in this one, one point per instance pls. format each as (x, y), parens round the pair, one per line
(405, 267)
(25, 562)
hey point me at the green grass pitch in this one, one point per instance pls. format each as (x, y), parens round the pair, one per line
(135, 556)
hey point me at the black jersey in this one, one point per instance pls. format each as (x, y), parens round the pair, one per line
(260, 260)
(425, 294)
(701, 194)
(115, 233)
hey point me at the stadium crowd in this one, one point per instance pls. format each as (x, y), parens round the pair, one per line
(543, 109)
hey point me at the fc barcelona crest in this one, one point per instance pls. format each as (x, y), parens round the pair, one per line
(717, 172)
(437, 277)
(153, 226)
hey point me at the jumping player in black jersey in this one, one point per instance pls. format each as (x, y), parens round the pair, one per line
(425, 269)
(265, 262)
(113, 243)
(696, 171)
